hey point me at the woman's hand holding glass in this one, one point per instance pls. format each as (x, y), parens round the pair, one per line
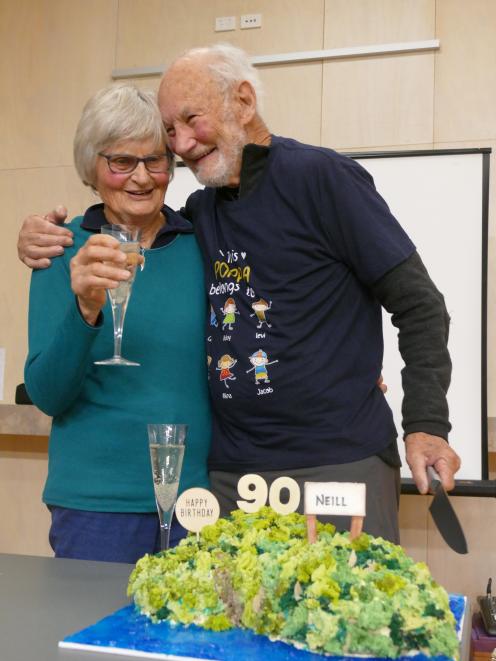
(97, 266)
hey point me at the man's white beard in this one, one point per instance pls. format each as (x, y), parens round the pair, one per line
(228, 163)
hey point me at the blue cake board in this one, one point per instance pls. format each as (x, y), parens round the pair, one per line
(128, 633)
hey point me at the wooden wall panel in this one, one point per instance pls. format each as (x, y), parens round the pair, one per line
(465, 81)
(364, 22)
(381, 101)
(25, 519)
(54, 55)
(378, 101)
(378, 148)
(282, 26)
(152, 32)
(413, 526)
(293, 99)
(23, 191)
(466, 574)
(461, 574)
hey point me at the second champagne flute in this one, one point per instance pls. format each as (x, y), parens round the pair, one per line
(167, 443)
(119, 297)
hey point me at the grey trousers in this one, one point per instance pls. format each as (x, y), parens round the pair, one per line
(382, 500)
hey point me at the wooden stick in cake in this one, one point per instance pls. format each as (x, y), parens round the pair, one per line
(356, 526)
(311, 528)
(334, 499)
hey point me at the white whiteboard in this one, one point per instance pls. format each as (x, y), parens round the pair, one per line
(439, 200)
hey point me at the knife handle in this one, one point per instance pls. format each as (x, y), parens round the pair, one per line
(434, 479)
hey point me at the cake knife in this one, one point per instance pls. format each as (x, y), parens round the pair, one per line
(444, 515)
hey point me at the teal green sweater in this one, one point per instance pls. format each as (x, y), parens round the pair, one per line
(98, 451)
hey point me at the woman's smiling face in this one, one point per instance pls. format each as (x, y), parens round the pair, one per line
(136, 197)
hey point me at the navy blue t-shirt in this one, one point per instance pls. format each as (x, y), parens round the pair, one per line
(294, 338)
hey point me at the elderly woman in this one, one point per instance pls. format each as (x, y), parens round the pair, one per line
(99, 487)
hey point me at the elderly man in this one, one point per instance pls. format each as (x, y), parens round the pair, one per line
(302, 229)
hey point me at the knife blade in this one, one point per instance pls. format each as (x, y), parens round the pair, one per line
(444, 515)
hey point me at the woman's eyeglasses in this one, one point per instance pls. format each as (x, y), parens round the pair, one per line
(125, 163)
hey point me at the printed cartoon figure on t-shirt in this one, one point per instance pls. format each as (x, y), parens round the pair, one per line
(224, 365)
(260, 360)
(230, 311)
(260, 307)
(213, 317)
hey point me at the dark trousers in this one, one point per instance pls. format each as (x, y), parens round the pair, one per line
(107, 536)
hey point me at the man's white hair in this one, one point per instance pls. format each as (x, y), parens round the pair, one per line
(229, 65)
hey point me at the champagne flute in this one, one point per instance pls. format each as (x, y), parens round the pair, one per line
(166, 442)
(119, 297)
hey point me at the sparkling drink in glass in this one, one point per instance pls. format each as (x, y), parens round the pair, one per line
(119, 297)
(167, 443)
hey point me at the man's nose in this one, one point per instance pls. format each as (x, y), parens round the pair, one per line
(182, 141)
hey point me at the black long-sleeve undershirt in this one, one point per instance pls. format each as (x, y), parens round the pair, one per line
(419, 312)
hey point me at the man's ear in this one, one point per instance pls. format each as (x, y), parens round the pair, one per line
(247, 102)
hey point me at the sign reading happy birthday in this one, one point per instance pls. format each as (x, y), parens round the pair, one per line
(196, 508)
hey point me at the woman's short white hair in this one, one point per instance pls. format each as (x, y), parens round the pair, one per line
(229, 65)
(117, 112)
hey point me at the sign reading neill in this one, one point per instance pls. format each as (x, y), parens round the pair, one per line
(335, 498)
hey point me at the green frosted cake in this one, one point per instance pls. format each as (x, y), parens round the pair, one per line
(336, 596)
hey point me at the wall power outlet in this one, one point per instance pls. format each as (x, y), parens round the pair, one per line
(250, 21)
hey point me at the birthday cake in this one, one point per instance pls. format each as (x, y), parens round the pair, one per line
(337, 596)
